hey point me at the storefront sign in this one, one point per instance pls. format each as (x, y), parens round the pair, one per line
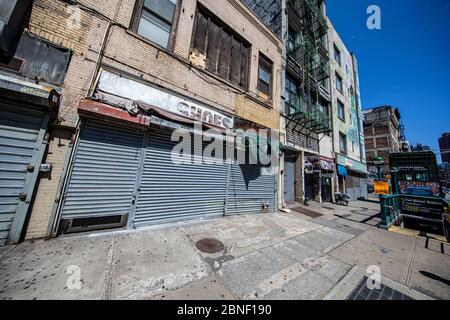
(136, 91)
(352, 164)
(321, 163)
(417, 206)
(418, 188)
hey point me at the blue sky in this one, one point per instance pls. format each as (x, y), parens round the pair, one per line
(406, 64)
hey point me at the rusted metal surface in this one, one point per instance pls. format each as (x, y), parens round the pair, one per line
(209, 245)
(94, 109)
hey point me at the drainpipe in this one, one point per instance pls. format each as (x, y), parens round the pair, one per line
(99, 58)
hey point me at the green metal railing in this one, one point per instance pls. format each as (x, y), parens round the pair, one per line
(391, 209)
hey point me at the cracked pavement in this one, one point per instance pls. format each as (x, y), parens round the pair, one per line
(279, 256)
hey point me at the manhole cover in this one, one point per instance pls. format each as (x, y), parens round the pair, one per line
(209, 245)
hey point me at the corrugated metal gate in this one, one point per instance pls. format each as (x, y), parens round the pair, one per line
(249, 188)
(22, 131)
(111, 168)
(104, 172)
(171, 192)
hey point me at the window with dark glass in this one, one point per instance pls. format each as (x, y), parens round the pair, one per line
(343, 143)
(154, 19)
(264, 78)
(337, 55)
(341, 110)
(339, 85)
(227, 55)
(292, 95)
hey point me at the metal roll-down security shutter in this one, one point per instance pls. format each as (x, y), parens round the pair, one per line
(249, 188)
(289, 177)
(171, 192)
(22, 130)
(104, 173)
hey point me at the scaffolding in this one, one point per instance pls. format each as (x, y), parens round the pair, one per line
(309, 58)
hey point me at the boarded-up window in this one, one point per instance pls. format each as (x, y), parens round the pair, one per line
(227, 54)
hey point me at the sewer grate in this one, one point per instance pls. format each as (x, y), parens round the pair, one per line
(209, 245)
(362, 292)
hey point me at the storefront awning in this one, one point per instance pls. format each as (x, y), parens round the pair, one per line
(25, 91)
(342, 171)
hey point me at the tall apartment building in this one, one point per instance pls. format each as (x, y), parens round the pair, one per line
(305, 118)
(92, 93)
(444, 145)
(347, 119)
(321, 126)
(384, 134)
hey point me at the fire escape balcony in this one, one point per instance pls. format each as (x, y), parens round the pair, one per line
(307, 117)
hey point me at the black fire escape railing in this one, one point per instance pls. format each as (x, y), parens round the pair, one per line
(307, 52)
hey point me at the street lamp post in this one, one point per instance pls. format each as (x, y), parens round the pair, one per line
(378, 161)
(394, 172)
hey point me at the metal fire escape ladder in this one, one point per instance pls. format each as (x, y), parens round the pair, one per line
(312, 63)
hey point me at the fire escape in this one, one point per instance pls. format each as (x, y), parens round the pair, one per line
(308, 57)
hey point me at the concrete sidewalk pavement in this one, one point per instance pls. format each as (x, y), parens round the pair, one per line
(279, 256)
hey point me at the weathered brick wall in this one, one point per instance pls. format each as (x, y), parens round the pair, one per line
(48, 183)
(54, 21)
(128, 52)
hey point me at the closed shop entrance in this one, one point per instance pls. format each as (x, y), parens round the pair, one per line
(289, 177)
(22, 131)
(121, 175)
(170, 192)
(102, 186)
(326, 189)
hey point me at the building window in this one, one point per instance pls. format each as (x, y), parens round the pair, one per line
(292, 95)
(337, 55)
(343, 143)
(339, 85)
(226, 53)
(264, 78)
(154, 19)
(341, 110)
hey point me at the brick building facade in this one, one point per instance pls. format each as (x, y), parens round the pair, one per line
(108, 38)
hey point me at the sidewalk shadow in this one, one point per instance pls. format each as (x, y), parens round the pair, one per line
(435, 277)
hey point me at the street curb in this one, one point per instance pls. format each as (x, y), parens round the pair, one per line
(345, 287)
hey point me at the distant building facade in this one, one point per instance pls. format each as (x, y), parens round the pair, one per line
(444, 145)
(383, 135)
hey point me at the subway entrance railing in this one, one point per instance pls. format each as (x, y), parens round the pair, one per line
(427, 209)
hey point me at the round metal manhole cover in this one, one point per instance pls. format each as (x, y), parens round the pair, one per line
(209, 245)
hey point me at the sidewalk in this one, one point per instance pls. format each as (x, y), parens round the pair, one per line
(280, 256)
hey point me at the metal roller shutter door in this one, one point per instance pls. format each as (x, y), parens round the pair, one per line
(22, 130)
(248, 189)
(289, 178)
(104, 172)
(171, 192)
